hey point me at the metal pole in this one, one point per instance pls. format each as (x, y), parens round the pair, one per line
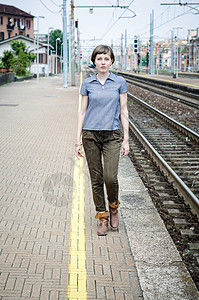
(61, 57)
(125, 57)
(194, 57)
(38, 46)
(57, 39)
(121, 63)
(158, 60)
(78, 48)
(72, 46)
(172, 53)
(151, 41)
(48, 52)
(37, 49)
(65, 58)
(35, 57)
(176, 58)
(48, 56)
(56, 56)
(185, 62)
(69, 47)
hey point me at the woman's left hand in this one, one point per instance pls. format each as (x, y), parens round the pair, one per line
(125, 148)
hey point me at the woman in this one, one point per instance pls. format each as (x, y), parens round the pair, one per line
(104, 101)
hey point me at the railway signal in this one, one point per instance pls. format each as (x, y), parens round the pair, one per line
(135, 44)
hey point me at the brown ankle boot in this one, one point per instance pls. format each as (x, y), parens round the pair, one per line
(114, 217)
(103, 226)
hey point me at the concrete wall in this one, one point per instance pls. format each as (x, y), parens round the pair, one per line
(6, 77)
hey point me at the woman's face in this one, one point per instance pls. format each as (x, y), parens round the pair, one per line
(103, 62)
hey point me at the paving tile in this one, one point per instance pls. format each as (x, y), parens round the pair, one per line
(114, 279)
(36, 197)
(38, 146)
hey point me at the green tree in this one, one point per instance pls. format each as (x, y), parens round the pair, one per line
(53, 35)
(19, 58)
(18, 46)
(7, 59)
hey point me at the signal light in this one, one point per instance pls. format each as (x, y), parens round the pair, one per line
(135, 45)
(147, 59)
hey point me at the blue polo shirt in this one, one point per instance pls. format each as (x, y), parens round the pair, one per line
(103, 102)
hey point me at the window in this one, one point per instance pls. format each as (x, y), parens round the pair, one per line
(15, 22)
(20, 24)
(1, 36)
(1, 20)
(28, 25)
(42, 58)
(9, 35)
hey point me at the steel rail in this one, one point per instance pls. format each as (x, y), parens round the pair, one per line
(188, 132)
(159, 86)
(157, 91)
(167, 170)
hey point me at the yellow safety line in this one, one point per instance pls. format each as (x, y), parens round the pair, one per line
(161, 79)
(77, 257)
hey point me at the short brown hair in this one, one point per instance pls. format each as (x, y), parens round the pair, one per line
(102, 49)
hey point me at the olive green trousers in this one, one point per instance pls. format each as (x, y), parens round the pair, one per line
(102, 150)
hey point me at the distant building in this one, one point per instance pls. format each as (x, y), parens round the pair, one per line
(18, 25)
(193, 50)
(31, 44)
(14, 21)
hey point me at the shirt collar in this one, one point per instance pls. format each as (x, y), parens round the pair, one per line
(94, 77)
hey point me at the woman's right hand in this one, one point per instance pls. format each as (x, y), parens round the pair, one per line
(78, 150)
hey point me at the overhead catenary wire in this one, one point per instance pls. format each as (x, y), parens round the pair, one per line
(112, 16)
(107, 30)
(194, 8)
(161, 15)
(58, 5)
(156, 27)
(49, 8)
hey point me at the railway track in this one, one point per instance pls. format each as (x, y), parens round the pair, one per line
(178, 146)
(166, 155)
(184, 97)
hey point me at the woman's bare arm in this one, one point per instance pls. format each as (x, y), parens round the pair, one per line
(81, 115)
(125, 123)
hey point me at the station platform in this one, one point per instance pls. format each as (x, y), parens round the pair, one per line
(49, 248)
(183, 83)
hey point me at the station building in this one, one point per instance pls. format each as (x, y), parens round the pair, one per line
(18, 25)
(14, 21)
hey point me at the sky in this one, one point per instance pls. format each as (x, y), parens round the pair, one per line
(106, 25)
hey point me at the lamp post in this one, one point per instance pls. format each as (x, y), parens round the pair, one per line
(57, 39)
(38, 46)
(61, 55)
(48, 52)
(35, 37)
(65, 48)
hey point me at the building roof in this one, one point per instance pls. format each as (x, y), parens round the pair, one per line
(14, 11)
(25, 38)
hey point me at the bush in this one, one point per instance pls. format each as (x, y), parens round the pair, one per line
(19, 58)
(7, 59)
